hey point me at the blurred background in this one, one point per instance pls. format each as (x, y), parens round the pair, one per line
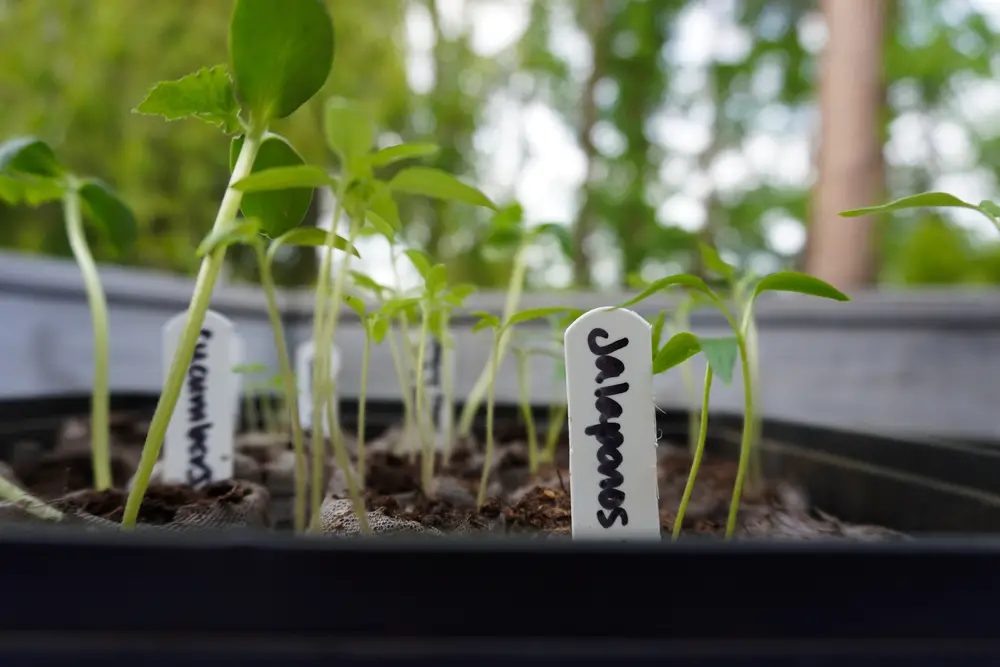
(643, 126)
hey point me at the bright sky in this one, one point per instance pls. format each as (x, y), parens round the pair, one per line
(529, 151)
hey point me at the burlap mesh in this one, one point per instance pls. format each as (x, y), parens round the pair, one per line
(337, 518)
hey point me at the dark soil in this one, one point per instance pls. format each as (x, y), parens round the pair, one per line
(159, 507)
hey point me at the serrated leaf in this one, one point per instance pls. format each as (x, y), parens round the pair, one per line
(277, 210)
(380, 327)
(536, 314)
(436, 279)
(102, 205)
(721, 354)
(421, 262)
(244, 231)
(486, 320)
(207, 94)
(437, 184)
(357, 305)
(681, 347)
(29, 156)
(560, 233)
(32, 191)
(284, 178)
(681, 280)
(801, 283)
(713, 262)
(401, 152)
(657, 332)
(280, 54)
(349, 132)
(922, 200)
(310, 237)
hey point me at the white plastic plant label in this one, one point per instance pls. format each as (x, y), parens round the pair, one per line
(199, 444)
(305, 356)
(612, 426)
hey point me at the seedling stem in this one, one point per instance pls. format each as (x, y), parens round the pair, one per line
(696, 455)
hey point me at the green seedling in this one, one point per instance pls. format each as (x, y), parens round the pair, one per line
(508, 230)
(989, 209)
(499, 328)
(376, 326)
(788, 281)
(720, 357)
(251, 417)
(280, 55)
(31, 174)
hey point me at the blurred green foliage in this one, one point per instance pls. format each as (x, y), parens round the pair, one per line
(72, 70)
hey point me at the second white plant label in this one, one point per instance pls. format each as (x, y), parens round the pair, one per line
(612, 426)
(199, 442)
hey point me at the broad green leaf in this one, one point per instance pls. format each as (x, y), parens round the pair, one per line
(682, 280)
(280, 54)
(990, 208)
(29, 155)
(277, 210)
(486, 320)
(710, 257)
(420, 261)
(658, 330)
(394, 307)
(349, 132)
(365, 282)
(560, 233)
(436, 279)
(922, 200)
(357, 305)
(380, 327)
(401, 152)
(721, 354)
(438, 184)
(102, 205)
(284, 178)
(681, 347)
(243, 231)
(384, 206)
(791, 281)
(435, 324)
(314, 237)
(206, 94)
(381, 226)
(250, 369)
(457, 295)
(536, 314)
(29, 190)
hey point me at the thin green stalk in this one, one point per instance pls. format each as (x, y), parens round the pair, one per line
(291, 392)
(481, 496)
(698, 453)
(448, 388)
(557, 417)
(200, 300)
(362, 397)
(100, 398)
(412, 377)
(746, 440)
(523, 374)
(12, 493)
(267, 412)
(404, 384)
(340, 454)
(427, 450)
(511, 303)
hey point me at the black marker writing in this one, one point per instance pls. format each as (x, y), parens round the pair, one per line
(198, 472)
(607, 433)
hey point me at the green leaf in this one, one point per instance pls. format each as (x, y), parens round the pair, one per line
(721, 354)
(401, 152)
(395, 306)
(102, 205)
(284, 178)
(313, 237)
(349, 132)
(486, 320)
(989, 208)
(364, 282)
(250, 369)
(682, 280)
(437, 278)
(536, 314)
(711, 259)
(457, 295)
(31, 156)
(681, 347)
(658, 330)
(384, 206)
(420, 261)
(207, 94)
(278, 210)
(280, 54)
(244, 231)
(379, 224)
(560, 233)
(29, 190)
(791, 281)
(435, 324)
(380, 327)
(922, 200)
(438, 184)
(357, 305)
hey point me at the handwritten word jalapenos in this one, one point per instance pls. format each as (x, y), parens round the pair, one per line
(607, 433)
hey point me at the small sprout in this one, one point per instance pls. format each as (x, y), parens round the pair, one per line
(207, 94)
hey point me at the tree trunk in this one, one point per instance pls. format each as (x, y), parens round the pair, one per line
(850, 164)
